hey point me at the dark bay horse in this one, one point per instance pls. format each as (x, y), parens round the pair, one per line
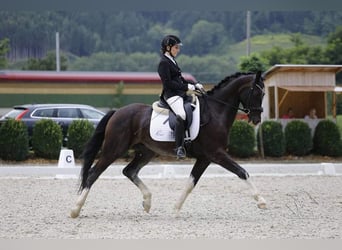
(128, 127)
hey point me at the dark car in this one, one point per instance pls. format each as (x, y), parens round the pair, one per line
(63, 114)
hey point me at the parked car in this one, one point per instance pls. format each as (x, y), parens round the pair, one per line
(63, 114)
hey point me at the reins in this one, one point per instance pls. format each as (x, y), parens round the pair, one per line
(245, 110)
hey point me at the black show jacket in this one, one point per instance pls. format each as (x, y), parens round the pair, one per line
(172, 79)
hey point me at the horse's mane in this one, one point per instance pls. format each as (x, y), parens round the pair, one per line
(227, 80)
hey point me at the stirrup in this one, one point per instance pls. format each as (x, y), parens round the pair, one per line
(181, 153)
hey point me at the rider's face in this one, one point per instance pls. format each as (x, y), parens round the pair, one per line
(175, 50)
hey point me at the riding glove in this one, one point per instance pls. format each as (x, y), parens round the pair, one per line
(199, 86)
(191, 87)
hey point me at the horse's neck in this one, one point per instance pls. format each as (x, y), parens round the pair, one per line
(229, 94)
(227, 100)
(222, 105)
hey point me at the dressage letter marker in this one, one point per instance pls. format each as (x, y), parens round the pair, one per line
(66, 160)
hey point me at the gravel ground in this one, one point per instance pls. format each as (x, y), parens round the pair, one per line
(299, 207)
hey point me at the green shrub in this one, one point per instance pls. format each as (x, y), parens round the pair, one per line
(79, 133)
(327, 139)
(273, 138)
(14, 143)
(241, 141)
(298, 138)
(47, 138)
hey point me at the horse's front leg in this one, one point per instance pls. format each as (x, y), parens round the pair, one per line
(196, 173)
(223, 159)
(261, 202)
(142, 157)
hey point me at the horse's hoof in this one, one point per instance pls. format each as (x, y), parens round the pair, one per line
(147, 202)
(262, 205)
(74, 213)
(261, 202)
(146, 206)
(176, 211)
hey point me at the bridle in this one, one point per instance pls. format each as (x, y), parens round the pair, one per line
(248, 109)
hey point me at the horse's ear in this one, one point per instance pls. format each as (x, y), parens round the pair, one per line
(257, 77)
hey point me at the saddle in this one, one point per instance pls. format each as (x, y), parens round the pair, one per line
(163, 120)
(162, 107)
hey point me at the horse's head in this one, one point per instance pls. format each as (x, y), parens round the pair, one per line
(244, 88)
(251, 98)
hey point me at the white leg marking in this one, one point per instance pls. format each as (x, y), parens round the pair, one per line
(261, 202)
(75, 212)
(147, 196)
(189, 187)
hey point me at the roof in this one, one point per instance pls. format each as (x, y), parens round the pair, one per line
(303, 68)
(45, 105)
(84, 76)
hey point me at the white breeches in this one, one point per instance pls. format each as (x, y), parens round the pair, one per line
(177, 105)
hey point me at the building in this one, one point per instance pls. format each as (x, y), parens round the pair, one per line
(99, 89)
(300, 87)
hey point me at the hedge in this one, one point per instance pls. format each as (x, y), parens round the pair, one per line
(14, 142)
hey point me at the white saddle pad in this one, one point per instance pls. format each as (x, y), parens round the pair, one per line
(161, 131)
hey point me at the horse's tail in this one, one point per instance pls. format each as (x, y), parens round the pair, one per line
(92, 148)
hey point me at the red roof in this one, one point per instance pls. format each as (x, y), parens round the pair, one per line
(84, 76)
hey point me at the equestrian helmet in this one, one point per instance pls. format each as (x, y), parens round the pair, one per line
(170, 40)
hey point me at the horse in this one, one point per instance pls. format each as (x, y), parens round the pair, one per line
(128, 128)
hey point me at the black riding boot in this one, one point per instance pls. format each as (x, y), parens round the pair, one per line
(179, 136)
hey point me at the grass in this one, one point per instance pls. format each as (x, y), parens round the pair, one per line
(266, 42)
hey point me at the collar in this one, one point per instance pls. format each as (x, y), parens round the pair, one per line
(170, 57)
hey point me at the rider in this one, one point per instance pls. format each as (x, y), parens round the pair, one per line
(174, 87)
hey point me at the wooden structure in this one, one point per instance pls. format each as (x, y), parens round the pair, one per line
(300, 87)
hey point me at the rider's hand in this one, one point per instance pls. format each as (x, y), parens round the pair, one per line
(191, 87)
(199, 86)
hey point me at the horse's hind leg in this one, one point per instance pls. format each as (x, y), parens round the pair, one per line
(75, 211)
(142, 156)
(94, 173)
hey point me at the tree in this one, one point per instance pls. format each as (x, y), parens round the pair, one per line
(333, 51)
(47, 63)
(207, 69)
(334, 48)
(253, 63)
(4, 48)
(204, 36)
(301, 53)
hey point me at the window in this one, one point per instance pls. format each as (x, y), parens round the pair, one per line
(43, 113)
(67, 113)
(91, 114)
(14, 113)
